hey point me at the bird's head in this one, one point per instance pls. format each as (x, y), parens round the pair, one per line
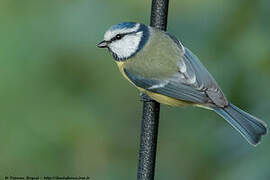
(126, 39)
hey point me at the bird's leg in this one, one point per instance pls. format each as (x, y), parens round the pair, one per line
(145, 97)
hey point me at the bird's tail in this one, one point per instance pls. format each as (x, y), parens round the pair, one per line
(249, 126)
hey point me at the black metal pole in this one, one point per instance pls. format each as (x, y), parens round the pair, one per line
(150, 118)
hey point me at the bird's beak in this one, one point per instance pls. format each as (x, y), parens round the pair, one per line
(102, 44)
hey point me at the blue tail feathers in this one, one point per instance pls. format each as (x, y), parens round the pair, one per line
(249, 126)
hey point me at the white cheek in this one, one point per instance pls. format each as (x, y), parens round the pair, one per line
(127, 46)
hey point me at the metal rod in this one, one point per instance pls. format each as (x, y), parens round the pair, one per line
(150, 117)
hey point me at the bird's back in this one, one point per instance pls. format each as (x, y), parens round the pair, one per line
(159, 58)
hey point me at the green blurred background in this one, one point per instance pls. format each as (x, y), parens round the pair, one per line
(66, 110)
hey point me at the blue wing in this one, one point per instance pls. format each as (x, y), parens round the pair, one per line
(170, 88)
(192, 83)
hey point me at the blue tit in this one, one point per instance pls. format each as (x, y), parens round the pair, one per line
(161, 67)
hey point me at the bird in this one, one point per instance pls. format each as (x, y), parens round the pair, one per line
(160, 66)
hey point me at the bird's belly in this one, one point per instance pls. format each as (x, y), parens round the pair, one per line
(164, 99)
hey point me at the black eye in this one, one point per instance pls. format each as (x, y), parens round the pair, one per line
(118, 36)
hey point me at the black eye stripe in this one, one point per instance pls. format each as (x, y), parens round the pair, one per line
(120, 36)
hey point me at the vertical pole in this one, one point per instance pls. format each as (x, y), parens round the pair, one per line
(150, 117)
(149, 134)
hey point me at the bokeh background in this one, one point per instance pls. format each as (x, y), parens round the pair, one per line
(66, 110)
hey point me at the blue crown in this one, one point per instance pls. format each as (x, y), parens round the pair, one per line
(123, 25)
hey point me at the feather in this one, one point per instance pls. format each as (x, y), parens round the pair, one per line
(249, 126)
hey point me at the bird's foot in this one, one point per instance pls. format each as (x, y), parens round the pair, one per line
(145, 98)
